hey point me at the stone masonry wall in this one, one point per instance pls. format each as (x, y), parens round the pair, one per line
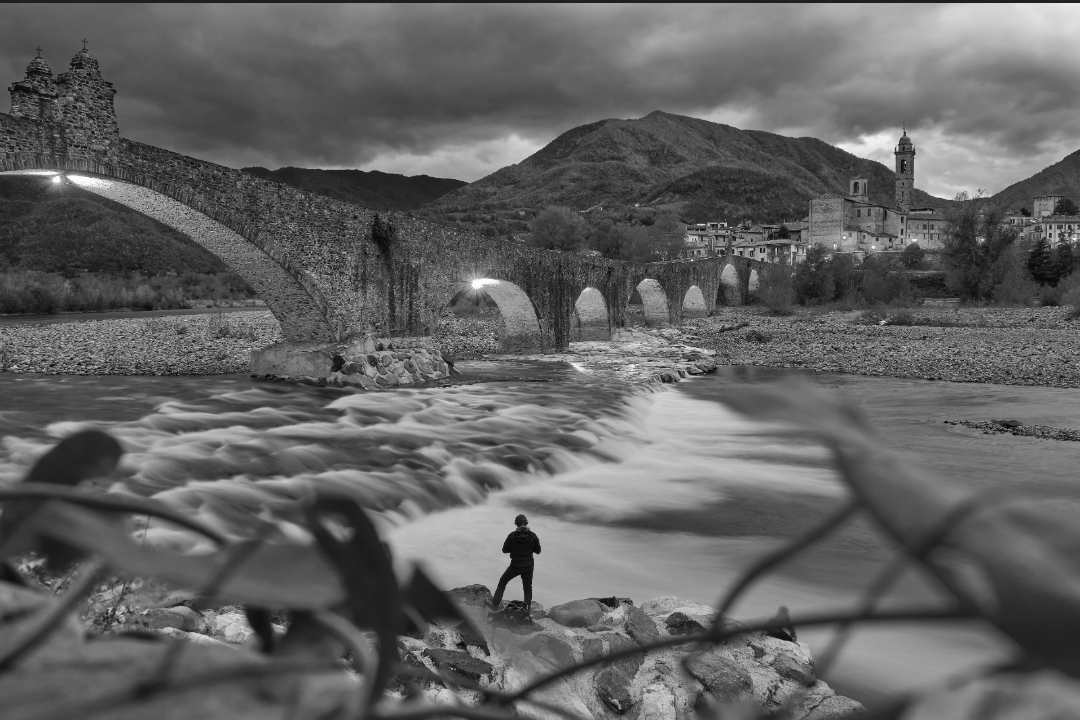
(331, 270)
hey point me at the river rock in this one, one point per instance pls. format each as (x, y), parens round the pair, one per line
(472, 638)
(577, 613)
(460, 663)
(232, 627)
(179, 617)
(837, 707)
(788, 667)
(724, 679)
(640, 626)
(657, 703)
(615, 679)
(550, 648)
(679, 623)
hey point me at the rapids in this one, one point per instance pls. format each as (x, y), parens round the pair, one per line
(632, 492)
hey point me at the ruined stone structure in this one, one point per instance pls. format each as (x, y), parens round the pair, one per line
(330, 271)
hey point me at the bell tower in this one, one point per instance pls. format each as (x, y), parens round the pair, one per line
(905, 173)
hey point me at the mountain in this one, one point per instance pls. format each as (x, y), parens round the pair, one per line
(53, 228)
(373, 189)
(1062, 178)
(663, 159)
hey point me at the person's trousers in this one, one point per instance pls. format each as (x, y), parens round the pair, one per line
(526, 573)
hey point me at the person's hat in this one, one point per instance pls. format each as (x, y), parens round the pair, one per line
(521, 520)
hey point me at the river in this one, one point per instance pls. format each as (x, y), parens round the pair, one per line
(633, 493)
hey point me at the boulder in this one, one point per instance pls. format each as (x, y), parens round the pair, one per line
(836, 707)
(179, 617)
(614, 602)
(679, 623)
(232, 627)
(722, 677)
(640, 626)
(460, 664)
(613, 686)
(789, 668)
(592, 648)
(472, 638)
(657, 703)
(551, 648)
(613, 682)
(577, 613)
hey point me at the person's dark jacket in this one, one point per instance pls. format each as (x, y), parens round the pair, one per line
(521, 544)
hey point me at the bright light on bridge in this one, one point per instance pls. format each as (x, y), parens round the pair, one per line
(482, 282)
(56, 179)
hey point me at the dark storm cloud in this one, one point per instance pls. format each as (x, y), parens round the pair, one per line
(345, 86)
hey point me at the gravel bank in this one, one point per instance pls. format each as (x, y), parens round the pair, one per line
(1013, 346)
(1043, 432)
(209, 344)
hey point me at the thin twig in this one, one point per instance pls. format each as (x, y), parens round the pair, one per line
(775, 558)
(362, 654)
(44, 622)
(892, 572)
(108, 503)
(83, 708)
(240, 554)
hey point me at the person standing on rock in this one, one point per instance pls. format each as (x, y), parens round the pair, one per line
(520, 545)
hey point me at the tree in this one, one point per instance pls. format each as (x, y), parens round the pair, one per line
(1066, 260)
(608, 238)
(558, 228)
(1025, 212)
(975, 238)
(1041, 263)
(912, 256)
(783, 233)
(1066, 206)
(814, 277)
(669, 237)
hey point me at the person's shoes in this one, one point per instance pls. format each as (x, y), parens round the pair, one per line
(494, 605)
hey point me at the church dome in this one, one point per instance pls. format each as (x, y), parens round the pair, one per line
(905, 140)
(83, 59)
(38, 66)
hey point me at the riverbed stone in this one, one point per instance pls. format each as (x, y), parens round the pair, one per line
(551, 648)
(639, 626)
(577, 613)
(460, 663)
(787, 667)
(725, 679)
(679, 623)
(477, 595)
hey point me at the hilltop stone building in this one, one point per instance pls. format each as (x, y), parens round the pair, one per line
(852, 223)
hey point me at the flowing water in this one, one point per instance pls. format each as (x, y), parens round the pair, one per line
(632, 493)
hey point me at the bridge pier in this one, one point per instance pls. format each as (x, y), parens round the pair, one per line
(305, 359)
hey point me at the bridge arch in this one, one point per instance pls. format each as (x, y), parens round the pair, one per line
(298, 306)
(753, 283)
(520, 331)
(590, 321)
(694, 303)
(654, 301)
(729, 286)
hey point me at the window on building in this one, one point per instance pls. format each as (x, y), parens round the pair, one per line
(858, 213)
(901, 219)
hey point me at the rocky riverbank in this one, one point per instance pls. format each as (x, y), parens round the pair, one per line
(1013, 346)
(1010, 346)
(505, 653)
(210, 344)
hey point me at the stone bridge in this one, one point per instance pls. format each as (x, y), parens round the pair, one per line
(330, 271)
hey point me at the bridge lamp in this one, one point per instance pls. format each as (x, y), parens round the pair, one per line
(56, 179)
(483, 282)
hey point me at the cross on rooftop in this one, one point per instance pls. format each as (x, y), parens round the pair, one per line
(39, 52)
(84, 41)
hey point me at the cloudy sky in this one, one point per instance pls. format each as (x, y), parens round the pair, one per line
(990, 93)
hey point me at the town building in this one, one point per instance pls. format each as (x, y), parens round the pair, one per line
(852, 223)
